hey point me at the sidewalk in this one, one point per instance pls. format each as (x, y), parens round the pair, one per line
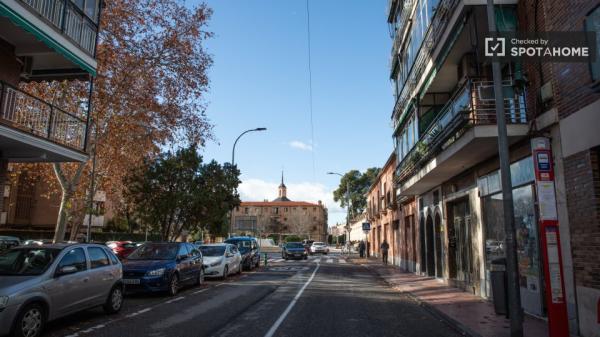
(466, 312)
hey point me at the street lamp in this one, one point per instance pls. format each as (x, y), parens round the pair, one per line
(348, 229)
(233, 164)
(238, 138)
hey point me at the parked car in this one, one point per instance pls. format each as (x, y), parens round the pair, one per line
(7, 242)
(36, 242)
(42, 283)
(294, 250)
(249, 250)
(221, 259)
(122, 248)
(163, 266)
(319, 248)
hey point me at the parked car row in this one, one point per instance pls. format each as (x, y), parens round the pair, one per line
(41, 281)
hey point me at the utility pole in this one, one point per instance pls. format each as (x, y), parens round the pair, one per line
(514, 293)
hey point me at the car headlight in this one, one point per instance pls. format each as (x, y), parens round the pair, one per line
(157, 272)
(3, 302)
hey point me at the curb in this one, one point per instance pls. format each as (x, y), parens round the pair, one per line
(453, 323)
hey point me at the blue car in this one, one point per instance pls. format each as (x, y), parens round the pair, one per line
(294, 250)
(163, 266)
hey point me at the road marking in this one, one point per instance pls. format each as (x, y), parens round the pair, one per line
(329, 260)
(342, 261)
(200, 291)
(281, 318)
(175, 299)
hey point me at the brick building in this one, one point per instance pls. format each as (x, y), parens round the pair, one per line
(281, 217)
(447, 172)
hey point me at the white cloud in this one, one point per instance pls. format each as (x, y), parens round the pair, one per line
(259, 190)
(296, 144)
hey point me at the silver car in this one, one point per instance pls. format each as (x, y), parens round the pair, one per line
(41, 283)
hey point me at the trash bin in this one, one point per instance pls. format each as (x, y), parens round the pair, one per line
(499, 281)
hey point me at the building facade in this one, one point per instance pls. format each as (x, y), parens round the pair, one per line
(51, 40)
(281, 217)
(447, 172)
(382, 213)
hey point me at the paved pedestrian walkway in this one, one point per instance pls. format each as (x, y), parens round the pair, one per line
(467, 312)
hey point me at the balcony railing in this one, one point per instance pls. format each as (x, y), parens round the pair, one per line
(473, 104)
(436, 29)
(401, 25)
(69, 20)
(25, 112)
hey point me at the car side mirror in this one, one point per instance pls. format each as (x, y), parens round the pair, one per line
(66, 270)
(228, 255)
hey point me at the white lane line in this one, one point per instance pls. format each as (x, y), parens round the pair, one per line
(175, 299)
(317, 260)
(200, 291)
(287, 310)
(342, 261)
(73, 335)
(329, 260)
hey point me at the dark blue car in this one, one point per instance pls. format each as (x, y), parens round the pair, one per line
(294, 250)
(249, 250)
(163, 266)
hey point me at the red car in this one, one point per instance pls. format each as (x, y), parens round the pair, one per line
(121, 248)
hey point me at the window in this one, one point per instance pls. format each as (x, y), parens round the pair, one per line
(592, 24)
(75, 258)
(194, 252)
(112, 257)
(183, 252)
(246, 210)
(98, 257)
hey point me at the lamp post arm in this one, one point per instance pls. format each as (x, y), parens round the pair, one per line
(234, 144)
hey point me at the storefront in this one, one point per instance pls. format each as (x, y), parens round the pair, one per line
(528, 251)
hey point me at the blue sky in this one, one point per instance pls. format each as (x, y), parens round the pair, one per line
(260, 79)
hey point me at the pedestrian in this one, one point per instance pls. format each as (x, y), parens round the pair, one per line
(384, 251)
(361, 248)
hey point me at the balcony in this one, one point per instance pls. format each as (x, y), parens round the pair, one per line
(51, 36)
(462, 134)
(32, 129)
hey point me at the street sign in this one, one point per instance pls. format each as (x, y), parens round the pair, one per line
(366, 226)
(550, 238)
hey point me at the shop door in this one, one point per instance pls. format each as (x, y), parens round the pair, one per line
(439, 254)
(430, 246)
(460, 253)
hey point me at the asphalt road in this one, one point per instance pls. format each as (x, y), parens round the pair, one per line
(324, 296)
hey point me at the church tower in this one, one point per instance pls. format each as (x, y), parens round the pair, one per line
(282, 191)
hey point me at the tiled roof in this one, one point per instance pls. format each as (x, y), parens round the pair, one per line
(277, 203)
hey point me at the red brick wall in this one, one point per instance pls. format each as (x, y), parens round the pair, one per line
(582, 179)
(571, 82)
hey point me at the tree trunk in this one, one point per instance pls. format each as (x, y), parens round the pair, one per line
(68, 189)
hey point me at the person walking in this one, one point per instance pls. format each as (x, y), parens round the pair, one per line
(384, 251)
(361, 248)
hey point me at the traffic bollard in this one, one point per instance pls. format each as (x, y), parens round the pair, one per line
(265, 260)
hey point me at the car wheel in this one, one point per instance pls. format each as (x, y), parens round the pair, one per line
(30, 321)
(114, 302)
(173, 285)
(225, 272)
(200, 279)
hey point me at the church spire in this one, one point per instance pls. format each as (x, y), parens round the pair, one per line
(282, 191)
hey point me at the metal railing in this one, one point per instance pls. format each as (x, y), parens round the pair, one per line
(407, 8)
(69, 20)
(438, 25)
(28, 113)
(472, 104)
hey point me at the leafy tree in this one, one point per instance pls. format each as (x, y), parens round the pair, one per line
(358, 185)
(176, 191)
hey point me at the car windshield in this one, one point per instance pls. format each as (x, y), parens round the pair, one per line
(318, 244)
(243, 245)
(155, 251)
(294, 245)
(27, 261)
(212, 250)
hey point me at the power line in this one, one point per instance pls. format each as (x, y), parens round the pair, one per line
(310, 96)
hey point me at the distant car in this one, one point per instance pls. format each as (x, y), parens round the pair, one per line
(319, 248)
(221, 259)
(294, 250)
(7, 242)
(36, 242)
(122, 248)
(42, 283)
(163, 266)
(249, 250)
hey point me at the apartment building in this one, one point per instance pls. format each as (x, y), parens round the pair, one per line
(447, 171)
(45, 40)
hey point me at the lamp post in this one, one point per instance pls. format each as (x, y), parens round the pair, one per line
(348, 229)
(233, 164)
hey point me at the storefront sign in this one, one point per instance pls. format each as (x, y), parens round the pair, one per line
(550, 236)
